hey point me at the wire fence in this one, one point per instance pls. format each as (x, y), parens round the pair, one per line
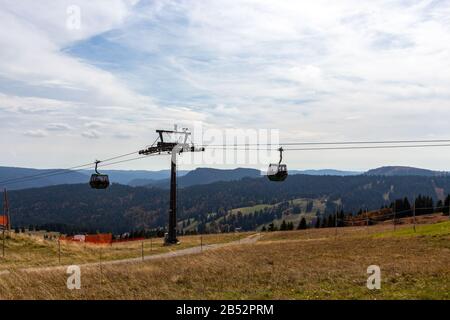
(31, 249)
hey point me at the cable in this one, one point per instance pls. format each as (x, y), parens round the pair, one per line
(331, 143)
(62, 171)
(374, 218)
(72, 171)
(48, 175)
(235, 147)
(43, 174)
(332, 148)
(132, 159)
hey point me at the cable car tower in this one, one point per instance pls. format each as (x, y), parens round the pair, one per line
(174, 147)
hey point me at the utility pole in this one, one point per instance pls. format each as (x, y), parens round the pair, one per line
(6, 210)
(335, 224)
(3, 245)
(395, 215)
(59, 251)
(367, 220)
(5, 221)
(414, 213)
(174, 147)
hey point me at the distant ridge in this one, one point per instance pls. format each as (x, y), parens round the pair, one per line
(199, 176)
(327, 172)
(202, 176)
(9, 174)
(404, 171)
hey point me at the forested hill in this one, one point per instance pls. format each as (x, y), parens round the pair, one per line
(122, 208)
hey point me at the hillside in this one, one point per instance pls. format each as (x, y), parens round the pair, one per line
(326, 172)
(306, 264)
(186, 178)
(202, 176)
(9, 174)
(403, 171)
(131, 177)
(123, 208)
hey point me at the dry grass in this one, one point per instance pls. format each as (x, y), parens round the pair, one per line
(24, 251)
(283, 265)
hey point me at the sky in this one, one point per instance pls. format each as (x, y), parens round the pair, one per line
(90, 79)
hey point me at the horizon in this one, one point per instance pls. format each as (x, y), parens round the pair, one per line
(234, 168)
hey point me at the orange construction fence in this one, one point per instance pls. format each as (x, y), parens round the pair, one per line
(4, 221)
(104, 238)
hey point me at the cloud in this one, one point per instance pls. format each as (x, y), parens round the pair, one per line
(258, 55)
(91, 134)
(35, 133)
(316, 70)
(93, 125)
(123, 135)
(58, 127)
(32, 50)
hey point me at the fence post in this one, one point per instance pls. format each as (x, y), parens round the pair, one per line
(59, 251)
(367, 221)
(335, 225)
(142, 250)
(201, 242)
(3, 246)
(101, 269)
(395, 215)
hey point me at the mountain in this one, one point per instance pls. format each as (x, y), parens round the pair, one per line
(133, 177)
(403, 171)
(202, 176)
(46, 177)
(326, 172)
(123, 208)
(8, 176)
(160, 178)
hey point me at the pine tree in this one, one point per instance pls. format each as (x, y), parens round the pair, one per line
(302, 224)
(446, 206)
(317, 223)
(324, 223)
(439, 206)
(330, 223)
(283, 226)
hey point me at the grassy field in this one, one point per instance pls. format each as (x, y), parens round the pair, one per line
(307, 264)
(24, 251)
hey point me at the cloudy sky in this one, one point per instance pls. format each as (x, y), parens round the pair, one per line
(75, 90)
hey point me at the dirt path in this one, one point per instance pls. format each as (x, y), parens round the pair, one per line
(171, 254)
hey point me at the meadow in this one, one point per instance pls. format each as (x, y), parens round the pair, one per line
(305, 264)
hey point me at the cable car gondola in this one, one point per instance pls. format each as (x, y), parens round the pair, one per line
(98, 180)
(277, 171)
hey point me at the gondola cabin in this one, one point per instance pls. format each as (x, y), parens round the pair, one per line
(98, 180)
(277, 172)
